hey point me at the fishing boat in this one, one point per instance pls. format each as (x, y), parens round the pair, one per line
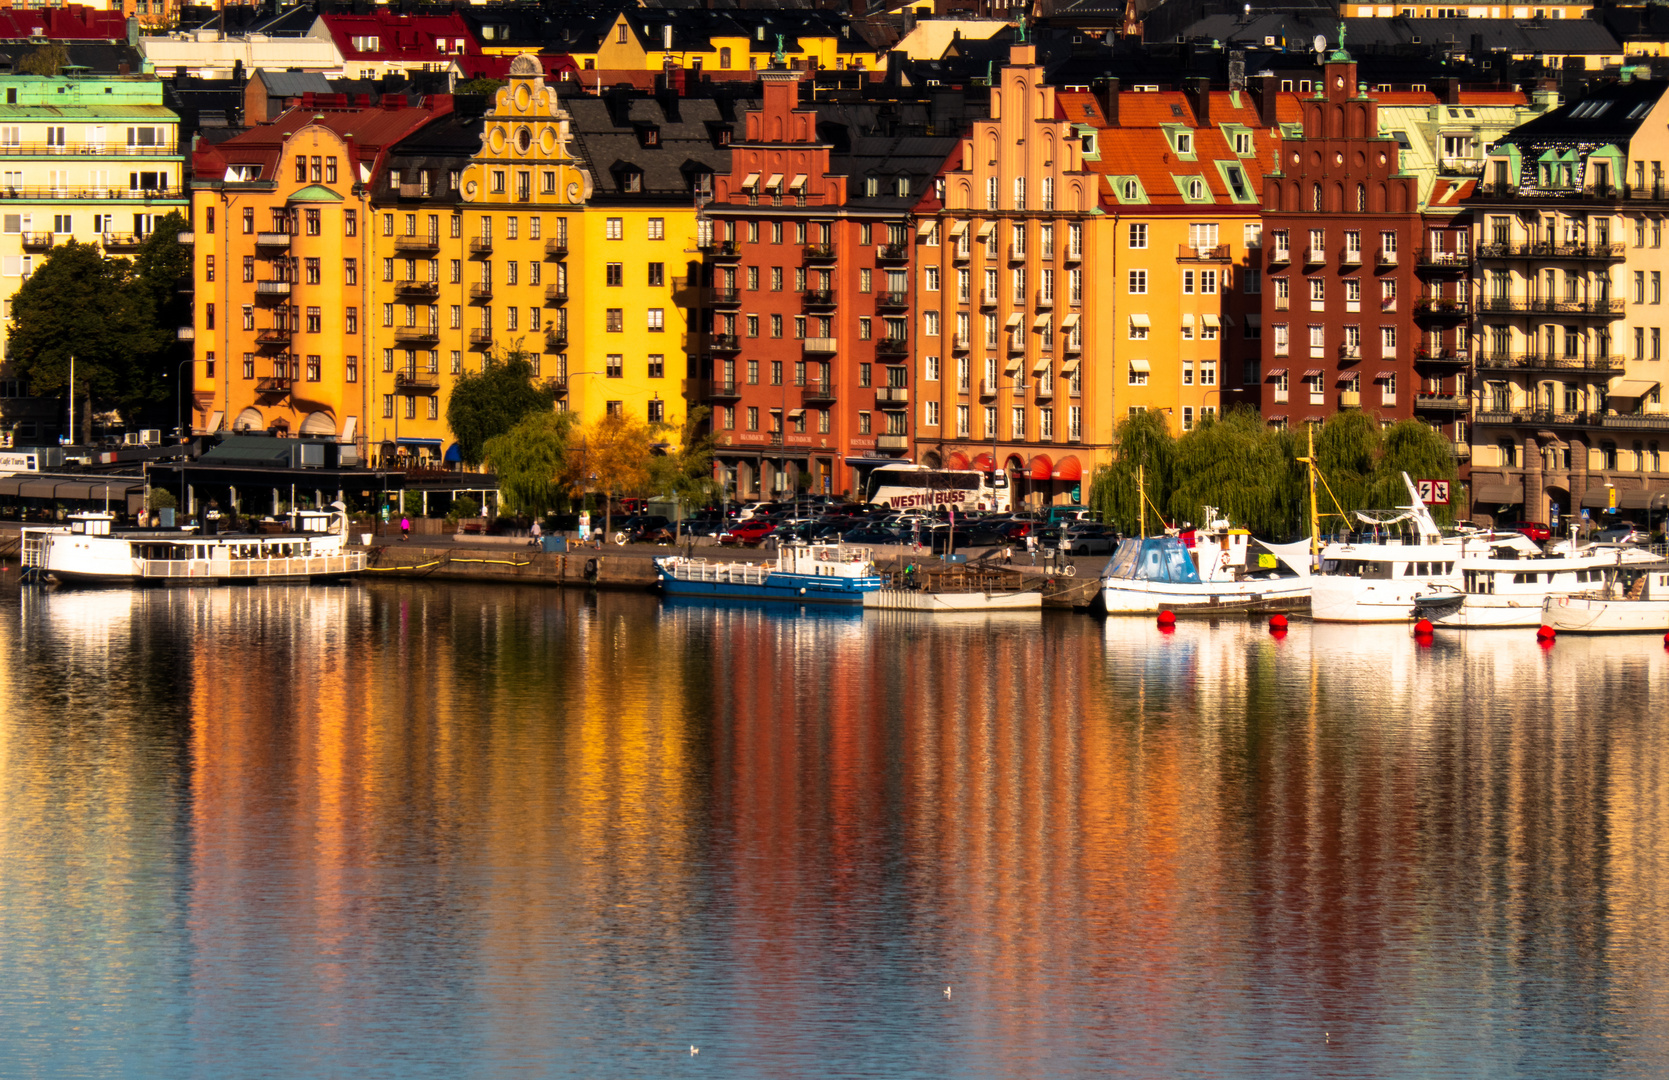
(1502, 585)
(1159, 573)
(1632, 599)
(956, 588)
(803, 573)
(90, 550)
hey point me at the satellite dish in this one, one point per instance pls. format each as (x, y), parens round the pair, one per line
(1321, 43)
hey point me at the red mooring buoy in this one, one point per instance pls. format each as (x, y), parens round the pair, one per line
(1423, 627)
(1167, 618)
(1545, 632)
(1277, 622)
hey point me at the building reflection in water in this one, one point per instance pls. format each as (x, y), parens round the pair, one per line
(539, 829)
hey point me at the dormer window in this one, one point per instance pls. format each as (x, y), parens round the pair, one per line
(631, 181)
(871, 186)
(1185, 142)
(649, 136)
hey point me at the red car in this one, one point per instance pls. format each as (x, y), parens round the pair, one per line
(747, 533)
(1535, 530)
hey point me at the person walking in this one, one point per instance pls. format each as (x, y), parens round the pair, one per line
(405, 527)
(534, 532)
(1031, 546)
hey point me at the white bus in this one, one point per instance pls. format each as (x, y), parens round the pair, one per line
(916, 487)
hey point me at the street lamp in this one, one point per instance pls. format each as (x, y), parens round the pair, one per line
(179, 399)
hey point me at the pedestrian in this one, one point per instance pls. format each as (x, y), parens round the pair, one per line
(1008, 555)
(405, 527)
(1031, 546)
(535, 533)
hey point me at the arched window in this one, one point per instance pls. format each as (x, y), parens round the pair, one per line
(1361, 197)
(1196, 190)
(1132, 191)
(1315, 197)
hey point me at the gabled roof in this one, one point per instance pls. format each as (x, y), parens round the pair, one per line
(370, 133)
(400, 37)
(1610, 113)
(607, 139)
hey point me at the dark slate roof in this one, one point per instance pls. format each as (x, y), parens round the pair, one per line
(694, 28)
(1297, 32)
(293, 83)
(1585, 120)
(607, 140)
(884, 141)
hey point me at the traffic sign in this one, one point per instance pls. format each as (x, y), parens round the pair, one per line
(1433, 492)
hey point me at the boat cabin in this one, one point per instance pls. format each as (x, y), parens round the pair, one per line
(1157, 558)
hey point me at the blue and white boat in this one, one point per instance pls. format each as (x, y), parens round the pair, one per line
(803, 574)
(1159, 573)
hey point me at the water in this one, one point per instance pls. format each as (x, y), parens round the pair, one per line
(437, 831)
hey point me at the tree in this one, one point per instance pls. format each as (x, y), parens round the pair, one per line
(161, 286)
(1422, 452)
(490, 402)
(80, 303)
(531, 461)
(685, 471)
(481, 87)
(46, 60)
(616, 459)
(1145, 446)
(1235, 465)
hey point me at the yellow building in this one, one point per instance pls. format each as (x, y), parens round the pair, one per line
(281, 223)
(721, 43)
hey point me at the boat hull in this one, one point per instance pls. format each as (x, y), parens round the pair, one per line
(1493, 613)
(1356, 600)
(1595, 615)
(1129, 597)
(795, 589)
(961, 602)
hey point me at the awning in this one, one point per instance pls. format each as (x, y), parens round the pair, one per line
(1069, 322)
(1498, 493)
(795, 414)
(1188, 321)
(1277, 418)
(927, 226)
(1211, 320)
(1040, 468)
(1632, 387)
(1595, 498)
(433, 444)
(1041, 322)
(1013, 320)
(957, 228)
(1272, 372)
(798, 183)
(1141, 321)
(1041, 366)
(750, 181)
(774, 183)
(318, 423)
(1140, 365)
(1068, 469)
(982, 463)
(454, 453)
(1644, 498)
(214, 422)
(1012, 365)
(1070, 366)
(957, 461)
(348, 429)
(1383, 375)
(986, 228)
(1311, 373)
(1254, 320)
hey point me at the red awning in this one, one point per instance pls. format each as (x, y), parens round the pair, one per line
(1069, 469)
(983, 463)
(1040, 468)
(957, 461)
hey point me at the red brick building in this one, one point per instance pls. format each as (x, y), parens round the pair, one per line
(810, 257)
(1367, 299)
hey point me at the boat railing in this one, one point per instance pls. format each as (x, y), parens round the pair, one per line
(290, 566)
(700, 570)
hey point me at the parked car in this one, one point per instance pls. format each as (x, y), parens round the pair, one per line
(1535, 530)
(643, 529)
(870, 534)
(1089, 539)
(749, 533)
(1620, 534)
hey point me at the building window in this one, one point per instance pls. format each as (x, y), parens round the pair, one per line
(614, 366)
(1138, 282)
(614, 320)
(614, 228)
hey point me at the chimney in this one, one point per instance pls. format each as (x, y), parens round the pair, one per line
(1451, 91)
(1198, 92)
(1106, 95)
(1266, 90)
(121, 67)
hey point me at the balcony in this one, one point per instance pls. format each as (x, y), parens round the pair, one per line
(987, 388)
(480, 245)
(723, 250)
(274, 335)
(556, 294)
(989, 298)
(410, 382)
(1350, 352)
(724, 343)
(719, 296)
(1441, 402)
(1438, 307)
(274, 384)
(556, 338)
(418, 243)
(1283, 303)
(481, 290)
(1016, 253)
(1044, 390)
(819, 253)
(1603, 252)
(724, 390)
(818, 298)
(186, 333)
(556, 385)
(1315, 256)
(1017, 343)
(892, 346)
(1074, 344)
(418, 290)
(892, 300)
(1637, 422)
(892, 395)
(556, 247)
(186, 238)
(817, 393)
(1075, 254)
(122, 241)
(1189, 253)
(480, 338)
(960, 252)
(37, 241)
(1350, 399)
(1044, 300)
(1386, 257)
(276, 289)
(1279, 256)
(959, 342)
(417, 334)
(821, 345)
(1608, 365)
(1351, 257)
(1426, 355)
(1530, 305)
(272, 239)
(892, 253)
(1428, 259)
(892, 442)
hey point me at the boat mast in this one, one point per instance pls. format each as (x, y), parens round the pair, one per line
(1141, 499)
(1315, 517)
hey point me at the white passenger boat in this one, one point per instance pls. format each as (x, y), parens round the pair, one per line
(89, 550)
(1633, 599)
(1159, 573)
(1501, 586)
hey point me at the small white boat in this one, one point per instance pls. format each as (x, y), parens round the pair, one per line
(91, 551)
(1633, 600)
(1502, 585)
(1159, 573)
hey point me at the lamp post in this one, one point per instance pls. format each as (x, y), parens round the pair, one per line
(179, 399)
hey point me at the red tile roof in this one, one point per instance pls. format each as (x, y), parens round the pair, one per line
(70, 23)
(369, 130)
(406, 38)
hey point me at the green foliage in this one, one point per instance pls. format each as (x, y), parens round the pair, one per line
(1236, 465)
(482, 87)
(1424, 454)
(685, 471)
(614, 459)
(531, 461)
(463, 507)
(45, 60)
(490, 402)
(161, 499)
(411, 503)
(1144, 443)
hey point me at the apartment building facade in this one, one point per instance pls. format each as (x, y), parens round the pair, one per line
(1006, 364)
(1568, 231)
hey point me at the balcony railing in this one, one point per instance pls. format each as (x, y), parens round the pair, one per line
(1315, 255)
(480, 245)
(1427, 355)
(410, 382)
(1278, 255)
(480, 338)
(1350, 399)
(892, 346)
(186, 333)
(417, 242)
(1637, 421)
(720, 249)
(1351, 257)
(1073, 254)
(819, 253)
(818, 298)
(274, 384)
(556, 338)
(719, 296)
(556, 247)
(821, 345)
(892, 300)
(274, 335)
(415, 288)
(1350, 352)
(1444, 402)
(892, 253)
(557, 385)
(556, 294)
(1443, 260)
(417, 333)
(959, 342)
(113, 241)
(987, 388)
(1189, 253)
(892, 395)
(724, 343)
(1548, 362)
(1442, 307)
(989, 298)
(37, 241)
(817, 392)
(1552, 251)
(1386, 257)
(892, 442)
(1529, 305)
(725, 389)
(271, 239)
(481, 290)
(272, 288)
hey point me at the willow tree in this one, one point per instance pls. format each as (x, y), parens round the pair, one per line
(1421, 451)
(1143, 445)
(1236, 465)
(531, 460)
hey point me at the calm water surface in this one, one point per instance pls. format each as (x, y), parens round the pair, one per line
(424, 831)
